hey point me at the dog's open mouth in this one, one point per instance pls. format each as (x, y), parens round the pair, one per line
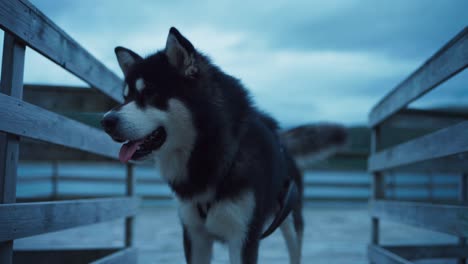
(137, 149)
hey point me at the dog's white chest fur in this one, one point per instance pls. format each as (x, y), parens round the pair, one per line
(227, 220)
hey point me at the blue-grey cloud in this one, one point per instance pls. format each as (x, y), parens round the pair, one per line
(302, 60)
(400, 28)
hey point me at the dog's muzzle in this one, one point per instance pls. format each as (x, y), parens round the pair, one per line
(110, 123)
(133, 149)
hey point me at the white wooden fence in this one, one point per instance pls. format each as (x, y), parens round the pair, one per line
(443, 150)
(25, 25)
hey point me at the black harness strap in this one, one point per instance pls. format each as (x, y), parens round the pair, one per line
(203, 209)
(286, 201)
(286, 204)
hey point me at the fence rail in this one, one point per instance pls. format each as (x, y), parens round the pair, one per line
(443, 149)
(58, 181)
(25, 25)
(443, 143)
(23, 119)
(447, 62)
(30, 26)
(27, 219)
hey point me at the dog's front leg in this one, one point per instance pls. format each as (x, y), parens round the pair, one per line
(198, 246)
(244, 251)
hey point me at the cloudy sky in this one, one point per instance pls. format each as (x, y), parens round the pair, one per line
(302, 60)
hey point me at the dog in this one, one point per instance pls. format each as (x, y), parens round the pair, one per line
(226, 161)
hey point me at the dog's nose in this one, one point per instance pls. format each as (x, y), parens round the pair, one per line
(109, 122)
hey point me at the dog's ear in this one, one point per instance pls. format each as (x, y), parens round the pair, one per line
(181, 53)
(126, 58)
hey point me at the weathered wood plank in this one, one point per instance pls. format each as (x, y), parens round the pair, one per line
(450, 164)
(54, 180)
(377, 187)
(463, 188)
(72, 178)
(28, 219)
(34, 179)
(67, 98)
(74, 196)
(450, 219)
(413, 252)
(10, 84)
(463, 198)
(442, 143)
(60, 256)
(357, 185)
(424, 119)
(33, 150)
(27, 120)
(69, 178)
(416, 186)
(402, 185)
(448, 61)
(25, 21)
(377, 254)
(124, 256)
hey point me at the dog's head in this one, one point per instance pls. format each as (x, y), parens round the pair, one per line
(154, 116)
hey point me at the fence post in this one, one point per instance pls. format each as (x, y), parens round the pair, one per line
(378, 185)
(130, 191)
(391, 192)
(11, 84)
(55, 175)
(463, 198)
(431, 186)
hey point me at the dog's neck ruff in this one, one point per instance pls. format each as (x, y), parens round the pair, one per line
(189, 186)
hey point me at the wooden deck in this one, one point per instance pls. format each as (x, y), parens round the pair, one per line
(335, 233)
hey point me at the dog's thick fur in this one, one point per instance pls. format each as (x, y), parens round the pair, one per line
(224, 159)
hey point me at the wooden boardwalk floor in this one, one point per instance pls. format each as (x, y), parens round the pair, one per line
(335, 233)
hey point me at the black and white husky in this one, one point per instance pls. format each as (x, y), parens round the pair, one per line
(225, 160)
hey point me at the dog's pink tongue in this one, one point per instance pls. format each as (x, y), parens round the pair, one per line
(128, 149)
